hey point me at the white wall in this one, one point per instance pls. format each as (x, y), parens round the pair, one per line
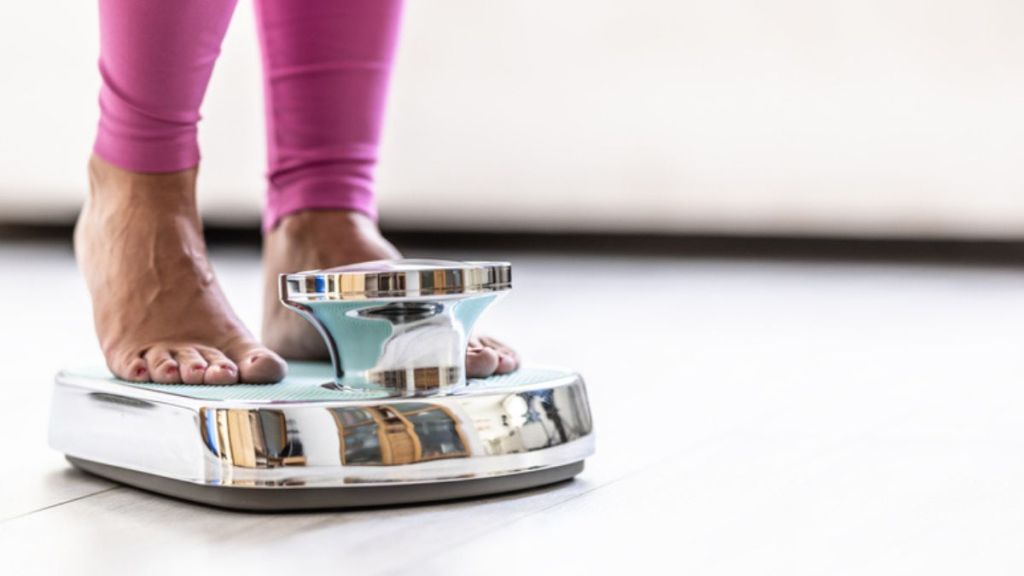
(896, 117)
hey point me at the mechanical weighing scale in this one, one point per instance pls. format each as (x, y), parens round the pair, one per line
(392, 419)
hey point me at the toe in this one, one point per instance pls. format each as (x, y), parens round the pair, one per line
(220, 370)
(481, 361)
(191, 364)
(163, 368)
(133, 369)
(507, 359)
(259, 365)
(506, 363)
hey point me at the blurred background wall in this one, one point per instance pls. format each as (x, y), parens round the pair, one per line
(895, 118)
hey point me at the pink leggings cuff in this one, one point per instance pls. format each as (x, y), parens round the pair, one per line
(150, 157)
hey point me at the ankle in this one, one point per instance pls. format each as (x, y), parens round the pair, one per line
(171, 191)
(302, 222)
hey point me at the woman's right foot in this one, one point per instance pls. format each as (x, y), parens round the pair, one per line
(159, 313)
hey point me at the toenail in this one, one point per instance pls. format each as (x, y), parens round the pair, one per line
(227, 367)
(253, 359)
(199, 366)
(140, 372)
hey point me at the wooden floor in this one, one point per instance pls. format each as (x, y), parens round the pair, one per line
(753, 417)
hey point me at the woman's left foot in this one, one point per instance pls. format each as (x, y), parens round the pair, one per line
(316, 239)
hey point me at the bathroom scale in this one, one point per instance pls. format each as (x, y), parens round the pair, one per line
(391, 419)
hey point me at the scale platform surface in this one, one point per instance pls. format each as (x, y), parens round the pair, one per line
(309, 442)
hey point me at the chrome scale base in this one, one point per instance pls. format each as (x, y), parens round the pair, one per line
(327, 438)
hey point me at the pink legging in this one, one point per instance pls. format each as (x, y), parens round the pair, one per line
(326, 65)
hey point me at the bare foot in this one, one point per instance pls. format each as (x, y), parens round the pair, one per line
(316, 239)
(160, 315)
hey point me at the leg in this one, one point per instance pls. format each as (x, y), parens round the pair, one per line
(326, 66)
(326, 69)
(160, 314)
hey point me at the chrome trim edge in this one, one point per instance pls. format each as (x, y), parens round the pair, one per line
(388, 441)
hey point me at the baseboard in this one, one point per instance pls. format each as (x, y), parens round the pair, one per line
(960, 251)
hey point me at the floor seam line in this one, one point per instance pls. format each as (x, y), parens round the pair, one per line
(59, 504)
